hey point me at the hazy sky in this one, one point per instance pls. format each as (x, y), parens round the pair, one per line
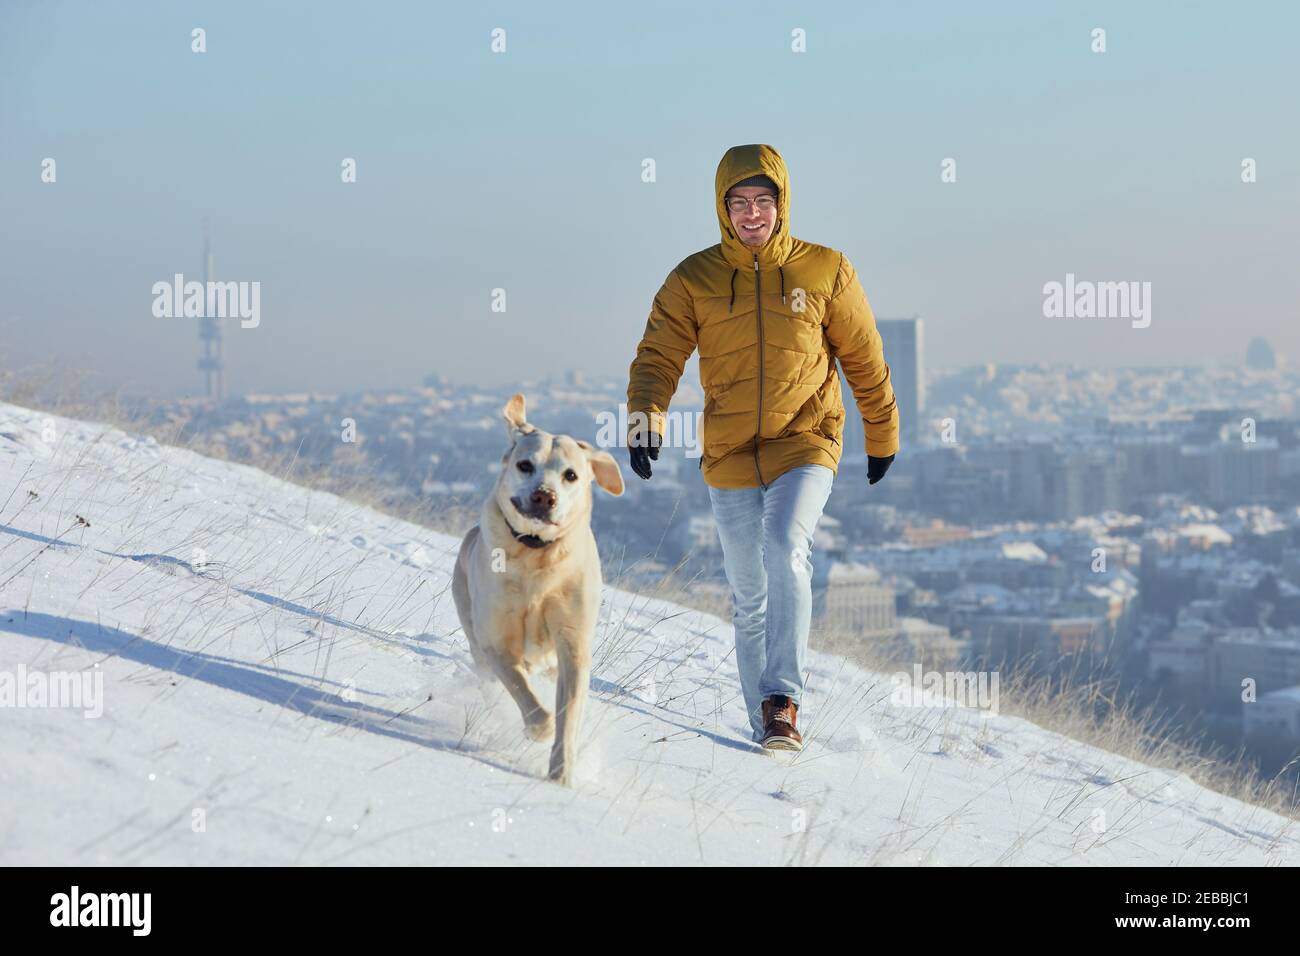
(522, 170)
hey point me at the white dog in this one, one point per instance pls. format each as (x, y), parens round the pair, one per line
(527, 581)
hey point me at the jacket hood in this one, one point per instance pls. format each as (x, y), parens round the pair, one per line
(741, 162)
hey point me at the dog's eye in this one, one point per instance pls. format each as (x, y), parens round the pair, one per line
(570, 475)
(525, 466)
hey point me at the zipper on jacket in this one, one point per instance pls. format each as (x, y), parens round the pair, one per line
(758, 303)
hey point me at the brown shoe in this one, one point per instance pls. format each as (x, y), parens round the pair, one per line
(779, 733)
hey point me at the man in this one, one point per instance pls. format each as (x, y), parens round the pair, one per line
(769, 314)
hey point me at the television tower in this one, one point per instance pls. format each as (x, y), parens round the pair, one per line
(210, 332)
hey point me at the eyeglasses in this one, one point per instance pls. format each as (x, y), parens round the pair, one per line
(740, 203)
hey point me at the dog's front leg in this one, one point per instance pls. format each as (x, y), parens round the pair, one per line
(538, 723)
(573, 654)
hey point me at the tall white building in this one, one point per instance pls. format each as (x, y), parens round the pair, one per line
(904, 344)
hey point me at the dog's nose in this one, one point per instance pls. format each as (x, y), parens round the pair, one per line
(543, 498)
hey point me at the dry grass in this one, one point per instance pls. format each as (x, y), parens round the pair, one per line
(1085, 709)
(48, 390)
(1090, 710)
(1081, 708)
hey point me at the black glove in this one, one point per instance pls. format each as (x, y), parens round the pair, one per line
(876, 468)
(643, 451)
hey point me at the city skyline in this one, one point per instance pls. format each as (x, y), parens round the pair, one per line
(958, 186)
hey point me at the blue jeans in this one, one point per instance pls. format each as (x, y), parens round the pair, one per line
(766, 537)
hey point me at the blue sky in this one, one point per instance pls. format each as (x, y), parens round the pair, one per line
(522, 170)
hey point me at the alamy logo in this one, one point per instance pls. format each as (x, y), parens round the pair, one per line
(1098, 300)
(102, 909)
(210, 300)
(681, 429)
(975, 689)
(76, 690)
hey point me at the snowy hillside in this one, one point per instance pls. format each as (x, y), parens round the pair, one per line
(284, 681)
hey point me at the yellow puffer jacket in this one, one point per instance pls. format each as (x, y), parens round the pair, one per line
(769, 323)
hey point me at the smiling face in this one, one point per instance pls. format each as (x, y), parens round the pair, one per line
(752, 224)
(545, 483)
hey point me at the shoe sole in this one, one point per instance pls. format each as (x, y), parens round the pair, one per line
(781, 743)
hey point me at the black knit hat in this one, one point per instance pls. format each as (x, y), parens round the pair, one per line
(759, 180)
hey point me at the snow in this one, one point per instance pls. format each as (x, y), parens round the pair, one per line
(284, 681)
(1023, 551)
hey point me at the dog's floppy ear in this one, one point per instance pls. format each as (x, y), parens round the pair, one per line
(605, 469)
(515, 418)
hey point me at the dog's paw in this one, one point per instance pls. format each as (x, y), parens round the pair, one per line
(543, 728)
